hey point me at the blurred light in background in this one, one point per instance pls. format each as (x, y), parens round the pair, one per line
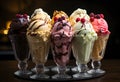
(5, 31)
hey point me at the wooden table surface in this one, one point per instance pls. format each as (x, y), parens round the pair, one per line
(112, 67)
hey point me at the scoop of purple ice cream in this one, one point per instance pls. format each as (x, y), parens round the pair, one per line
(61, 36)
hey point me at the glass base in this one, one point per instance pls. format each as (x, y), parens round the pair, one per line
(96, 71)
(45, 69)
(55, 69)
(75, 69)
(23, 73)
(82, 75)
(39, 76)
(61, 76)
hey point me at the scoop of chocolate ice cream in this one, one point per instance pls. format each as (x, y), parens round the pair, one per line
(19, 24)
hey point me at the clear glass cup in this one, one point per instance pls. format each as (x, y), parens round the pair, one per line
(21, 53)
(76, 68)
(61, 54)
(98, 54)
(82, 54)
(39, 50)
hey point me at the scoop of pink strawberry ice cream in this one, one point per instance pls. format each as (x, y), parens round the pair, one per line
(99, 24)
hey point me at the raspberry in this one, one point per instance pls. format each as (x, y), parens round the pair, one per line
(83, 20)
(63, 18)
(55, 18)
(59, 19)
(101, 15)
(92, 15)
(77, 19)
(91, 19)
(25, 16)
(19, 16)
(97, 16)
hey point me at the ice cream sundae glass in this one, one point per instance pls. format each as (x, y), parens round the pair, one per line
(83, 40)
(101, 28)
(61, 38)
(38, 35)
(17, 36)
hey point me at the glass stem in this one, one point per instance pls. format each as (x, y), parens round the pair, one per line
(22, 65)
(83, 68)
(61, 69)
(39, 68)
(96, 64)
(78, 67)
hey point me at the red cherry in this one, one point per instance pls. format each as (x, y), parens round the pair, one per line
(77, 19)
(18, 15)
(55, 18)
(91, 14)
(63, 17)
(59, 19)
(91, 19)
(25, 16)
(97, 16)
(83, 20)
(101, 15)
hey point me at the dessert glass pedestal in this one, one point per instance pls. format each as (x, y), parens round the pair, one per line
(61, 59)
(45, 69)
(76, 68)
(55, 69)
(82, 56)
(39, 52)
(98, 54)
(96, 69)
(21, 53)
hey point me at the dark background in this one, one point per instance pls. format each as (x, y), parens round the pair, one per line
(110, 9)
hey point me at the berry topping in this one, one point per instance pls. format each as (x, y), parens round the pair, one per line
(83, 20)
(59, 19)
(97, 16)
(101, 15)
(63, 18)
(22, 16)
(77, 19)
(91, 14)
(55, 18)
(91, 19)
(19, 15)
(25, 16)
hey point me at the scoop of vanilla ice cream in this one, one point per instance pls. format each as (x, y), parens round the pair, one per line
(81, 24)
(40, 24)
(81, 13)
(84, 36)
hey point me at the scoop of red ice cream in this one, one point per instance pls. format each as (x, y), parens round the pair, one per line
(99, 23)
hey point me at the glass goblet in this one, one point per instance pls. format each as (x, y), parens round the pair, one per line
(45, 69)
(21, 53)
(82, 54)
(98, 54)
(39, 52)
(76, 68)
(61, 57)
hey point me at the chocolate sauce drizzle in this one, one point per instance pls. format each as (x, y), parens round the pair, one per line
(35, 23)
